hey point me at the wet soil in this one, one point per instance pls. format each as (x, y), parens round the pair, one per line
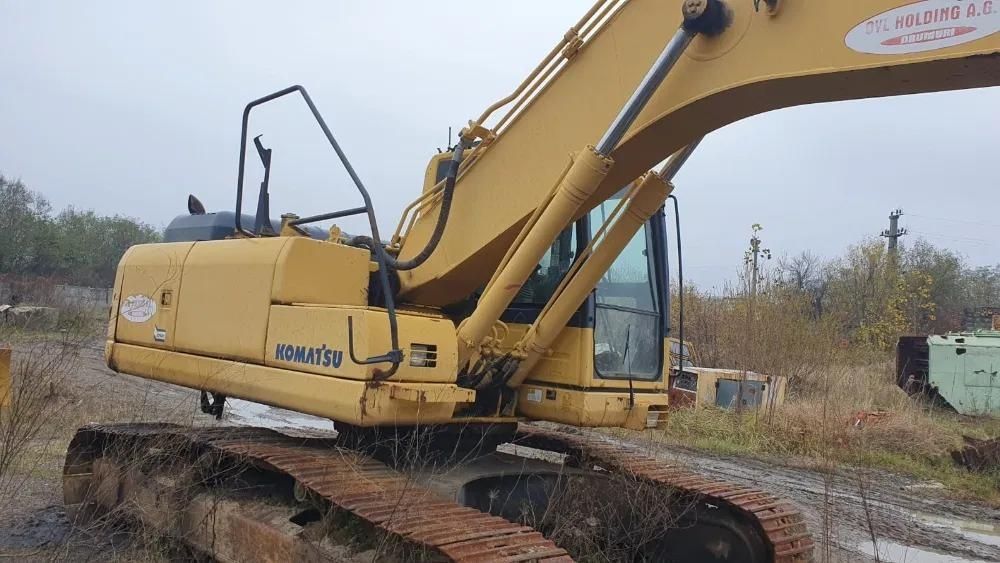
(854, 512)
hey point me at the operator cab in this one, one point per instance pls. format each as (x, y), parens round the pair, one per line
(626, 311)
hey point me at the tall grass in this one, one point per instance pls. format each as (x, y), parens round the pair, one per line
(47, 351)
(55, 388)
(842, 406)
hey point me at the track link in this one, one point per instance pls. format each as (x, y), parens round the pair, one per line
(394, 503)
(346, 479)
(777, 520)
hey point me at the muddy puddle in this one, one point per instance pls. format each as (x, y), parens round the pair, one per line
(974, 531)
(892, 552)
(982, 532)
(969, 532)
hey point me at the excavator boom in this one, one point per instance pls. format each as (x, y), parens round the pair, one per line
(798, 52)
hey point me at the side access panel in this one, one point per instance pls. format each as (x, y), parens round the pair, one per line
(147, 291)
(315, 339)
(213, 298)
(592, 407)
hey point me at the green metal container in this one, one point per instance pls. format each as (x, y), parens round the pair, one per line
(964, 368)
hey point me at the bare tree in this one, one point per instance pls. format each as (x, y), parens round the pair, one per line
(807, 273)
(800, 270)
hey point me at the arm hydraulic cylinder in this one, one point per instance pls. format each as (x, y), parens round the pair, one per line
(649, 195)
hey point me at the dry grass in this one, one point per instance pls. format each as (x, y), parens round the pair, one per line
(828, 419)
(833, 377)
(37, 399)
(56, 389)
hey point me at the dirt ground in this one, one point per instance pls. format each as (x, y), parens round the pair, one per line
(912, 521)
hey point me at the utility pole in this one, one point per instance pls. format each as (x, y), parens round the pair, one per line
(893, 233)
(752, 258)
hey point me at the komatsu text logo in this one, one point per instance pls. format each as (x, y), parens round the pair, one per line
(322, 356)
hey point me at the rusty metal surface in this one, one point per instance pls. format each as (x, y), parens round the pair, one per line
(779, 521)
(395, 503)
(232, 531)
(346, 479)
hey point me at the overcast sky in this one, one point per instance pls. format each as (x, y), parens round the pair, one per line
(126, 107)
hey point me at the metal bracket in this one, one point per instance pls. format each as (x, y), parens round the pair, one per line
(394, 356)
(215, 407)
(475, 131)
(573, 44)
(262, 223)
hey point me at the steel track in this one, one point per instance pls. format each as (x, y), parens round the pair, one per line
(392, 502)
(780, 523)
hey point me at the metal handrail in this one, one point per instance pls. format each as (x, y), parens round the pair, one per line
(395, 355)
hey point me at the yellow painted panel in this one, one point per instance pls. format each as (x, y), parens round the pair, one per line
(587, 408)
(117, 294)
(313, 271)
(351, 401)
(226, 297)
(571, 362)
(314, 339)
(148, 282)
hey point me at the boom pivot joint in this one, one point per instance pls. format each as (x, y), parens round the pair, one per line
(707, 17)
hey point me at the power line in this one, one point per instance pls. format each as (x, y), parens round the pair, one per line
(965, 221)
(954, 238)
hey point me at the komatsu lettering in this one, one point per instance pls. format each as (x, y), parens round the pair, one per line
(322, 356)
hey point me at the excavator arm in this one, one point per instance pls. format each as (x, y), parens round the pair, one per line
(770, 55)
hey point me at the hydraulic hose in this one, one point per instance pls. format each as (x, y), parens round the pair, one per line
(709, 18)
(446, 197)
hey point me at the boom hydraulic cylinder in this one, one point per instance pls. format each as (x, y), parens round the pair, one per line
(648, 196)
(578, 184)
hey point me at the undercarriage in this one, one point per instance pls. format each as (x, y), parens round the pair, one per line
(548, 494)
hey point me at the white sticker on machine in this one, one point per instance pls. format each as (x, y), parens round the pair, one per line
(925, 25)
(535, 395)
(138, 308)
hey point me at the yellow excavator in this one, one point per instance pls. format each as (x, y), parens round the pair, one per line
(522, 297)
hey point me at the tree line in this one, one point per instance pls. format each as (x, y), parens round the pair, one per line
(797, 313)
(73, 246)
(869, 294)
(878, 294)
